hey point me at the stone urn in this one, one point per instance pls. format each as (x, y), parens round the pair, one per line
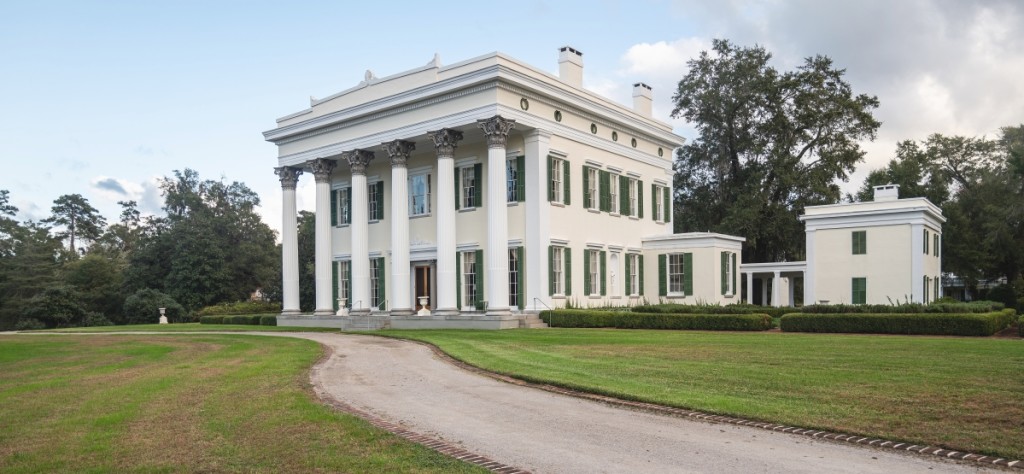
(342, 307)
(163, 318)
(424, 311)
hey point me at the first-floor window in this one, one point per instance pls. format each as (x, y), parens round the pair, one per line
(344, 285)
(676, 273)
(595, 275)
(728, 273)
(513, 278)
(632, 274)
(419, 195)
(469, 274)
(376, 288)
(559, 270)
(860, 290)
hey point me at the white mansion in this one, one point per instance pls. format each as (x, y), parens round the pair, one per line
(470, 194)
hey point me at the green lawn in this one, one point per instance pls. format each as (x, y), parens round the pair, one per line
(961, 393)
(171, 403)
(191, 327)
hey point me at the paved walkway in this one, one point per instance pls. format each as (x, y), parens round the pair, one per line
(545, 432)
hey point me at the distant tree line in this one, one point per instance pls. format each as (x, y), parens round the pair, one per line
(72, 269)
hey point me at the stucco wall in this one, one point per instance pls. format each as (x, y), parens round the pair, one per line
(886, 265)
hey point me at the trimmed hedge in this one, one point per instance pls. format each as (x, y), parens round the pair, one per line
(241, 307)
(246, 319)
(675, 308)
(1020, 326)
(909, 308)
(940, 324)
(581, 318)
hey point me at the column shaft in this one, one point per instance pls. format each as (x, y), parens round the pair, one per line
(750, 288)
(400, 272)
(538, 224)
(445, 141)
(289, 242)
(360, 227)
(775, 290)
(496, 254)
(322, 169)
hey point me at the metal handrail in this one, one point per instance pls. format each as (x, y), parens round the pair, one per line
(536, 300)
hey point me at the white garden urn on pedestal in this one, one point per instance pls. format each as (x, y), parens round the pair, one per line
(163, 319)
(424, 300)
(342, 309)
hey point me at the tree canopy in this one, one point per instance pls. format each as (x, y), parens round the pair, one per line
(80, 220)
(768, 144)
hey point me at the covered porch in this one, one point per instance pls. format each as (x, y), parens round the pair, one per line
(773, 284)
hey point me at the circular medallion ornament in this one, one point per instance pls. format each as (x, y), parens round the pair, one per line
(661, 152)
(633, 142)
(615, 136)
(593, 128)
(558, 116)
(524, 104)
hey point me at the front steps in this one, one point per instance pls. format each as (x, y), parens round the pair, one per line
(532, 321)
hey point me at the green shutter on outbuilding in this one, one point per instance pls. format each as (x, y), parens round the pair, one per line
(479, 270)
(458, 189)
(859, 286)
(603, 273)
(624, 196)
(641, 277)
(551, 189)
(478, 185)
(565, 184)
(521, 284)
(736, 289)
(586, 188)
(334, 283)
(521, 180)
(586, 273)
(640, 199)
(662, 276)
(567, 255)
(688, 274)
(458, 280)
(725, 265)
(334, 208)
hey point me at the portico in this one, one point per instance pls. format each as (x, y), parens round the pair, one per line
(772, 284)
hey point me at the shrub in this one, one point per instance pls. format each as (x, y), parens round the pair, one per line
(29, 324)
(1005, 294)
(917, 308)
(247, 319)
(143, 307)
(93, 318)
(568, 318)
(211, 320)
(241, 307)
(673, 308)
(951, 324)
(268, 320)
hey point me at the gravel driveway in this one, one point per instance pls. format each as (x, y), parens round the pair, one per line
(407, 384)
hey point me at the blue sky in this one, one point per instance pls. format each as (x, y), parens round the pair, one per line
(101, 98)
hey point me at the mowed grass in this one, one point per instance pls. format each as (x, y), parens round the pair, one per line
(177, 403)
(960, 393)
(190, 327)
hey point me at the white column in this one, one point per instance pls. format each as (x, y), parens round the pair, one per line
(322, 169)
(496, 254)
(401, 295)
(445, 141)
(360, 227)
(289, 241)
(538, 224)
(916, 267)
(791, 284)
(809, 292)
(750, 287)
(775, 290)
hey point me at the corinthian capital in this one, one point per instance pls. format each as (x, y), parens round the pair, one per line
(289, 176)
(358, 160)
(322, 168)
(398, 150)
(445, 141)
(496, 129)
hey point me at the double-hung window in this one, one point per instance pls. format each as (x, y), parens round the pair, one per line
(634, 274)
(376, 201)
(342, 206)
(559, 270)
(676, 273)
(515, 179)
(515, 270)
(633, 197)
(613, 191)
(377, 282)
(728, 273)
(469, 188)
(556, 185)
(419, 195)
(590, 186)
(469, 278)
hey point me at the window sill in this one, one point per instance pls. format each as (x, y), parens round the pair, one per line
(676, 295)
(342, 225)
(634, 218)
(729, 296)
(594, 297)
(374, 221)
(558, 297)
(556, 204)
(615, 297)
(467, 209)
(614, 214)
(419, 216)
(513, 204)
(593, 211)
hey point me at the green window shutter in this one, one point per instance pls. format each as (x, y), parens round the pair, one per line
(935, 246)
(380, 200)
(606, 188)
(521, 179)
(859, 290)
(623, 195)
(662, 275)
(735, 288)
(586, 189)
(586, 272)
(688, 273)
(654, 201)
(551, 190)
(926, 241)
(334, 283)
(629, 280)
(348, 278)
(458, 279)
(551, 270)
(348, 205)
(854, 242)
(567, 255)
(640, 199)
(666, 211)
(936, 281)
(565, 193)
(478, 184)
(479, 279)
(641, 278)
(334, 208)
(520, 266)
(381, 282)
(604, 278)
(725, 265)
(458, 191)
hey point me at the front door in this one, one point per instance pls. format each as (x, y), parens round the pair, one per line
(422, 286)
